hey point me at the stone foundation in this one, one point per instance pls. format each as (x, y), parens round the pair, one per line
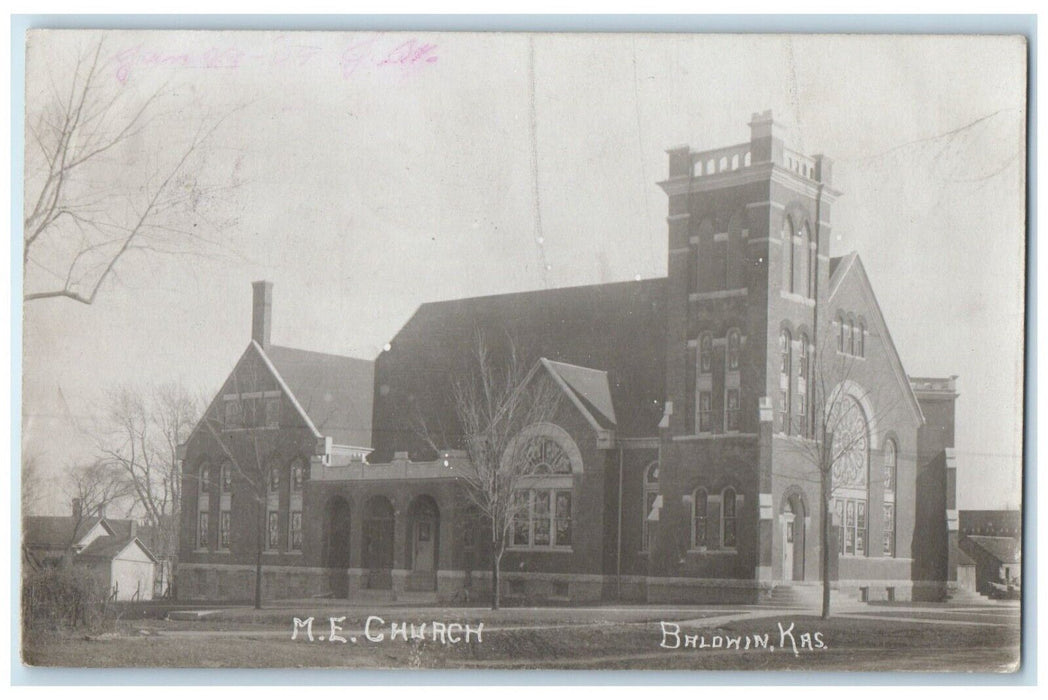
(213, 582)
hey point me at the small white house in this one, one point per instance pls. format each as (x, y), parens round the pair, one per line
(109, 547)
(125, 564)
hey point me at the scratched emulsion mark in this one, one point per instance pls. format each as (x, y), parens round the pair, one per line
(378, 53)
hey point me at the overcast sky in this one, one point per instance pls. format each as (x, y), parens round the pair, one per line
(374, 172)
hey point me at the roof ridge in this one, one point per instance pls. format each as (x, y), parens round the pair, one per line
(317, 352)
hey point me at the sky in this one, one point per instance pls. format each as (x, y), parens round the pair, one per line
(365, 174)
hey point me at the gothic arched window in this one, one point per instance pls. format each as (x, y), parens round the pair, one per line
(802, 384)
(728, 519)
(705, 353)
(699, 510)
(800, 261)
(787, 254)
(785, 362)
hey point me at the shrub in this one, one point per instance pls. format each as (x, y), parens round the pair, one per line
(63, 597)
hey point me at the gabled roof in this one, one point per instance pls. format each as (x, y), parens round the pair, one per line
(1004, 549)
(57, 532)
(334, 391)
(588, 390)
(617, 328)
(851, 265)
(110, 547)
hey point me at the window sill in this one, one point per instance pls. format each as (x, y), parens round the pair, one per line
(554, 549)
(200, 550)
(705, 552)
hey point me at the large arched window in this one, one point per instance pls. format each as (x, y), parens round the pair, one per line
(785, 363)
(787, 254)
(546, 456)
(729, 519)
(651, 494)
(850, 473)
(542, 516)
(699, 519)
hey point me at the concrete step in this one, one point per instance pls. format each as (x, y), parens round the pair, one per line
(191, 614)
(802, 595)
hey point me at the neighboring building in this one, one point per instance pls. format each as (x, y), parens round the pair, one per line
(110, 547)
(679, 465)
(991, 547)
(998, 567)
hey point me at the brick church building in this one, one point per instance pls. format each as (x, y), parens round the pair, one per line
(681, 466)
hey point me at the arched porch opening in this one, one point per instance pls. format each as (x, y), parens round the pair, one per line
(793, 524)
(379, 521)
(337, 526)
(423, 543)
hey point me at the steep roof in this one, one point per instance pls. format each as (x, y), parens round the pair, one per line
(618, 329)
(1004, 549)
(57, 532)
(333, 390)
(851, 265)
(110, 547)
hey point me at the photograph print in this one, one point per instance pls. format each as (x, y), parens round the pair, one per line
(516, 351)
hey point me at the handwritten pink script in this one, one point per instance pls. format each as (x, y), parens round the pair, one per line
(379, 52)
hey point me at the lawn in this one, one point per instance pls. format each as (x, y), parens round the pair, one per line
(526, 639)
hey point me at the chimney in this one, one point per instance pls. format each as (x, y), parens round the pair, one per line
(78, 508)
(261, 312)
(134, 528)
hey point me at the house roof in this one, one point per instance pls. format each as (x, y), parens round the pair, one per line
(618, 329)
(1004, 549)
(334, 391)
(110, 546)
(57, 532)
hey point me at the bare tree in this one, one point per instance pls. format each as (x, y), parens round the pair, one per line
(254, 438)
(95, 194)
(834, 436)
(93, 489)
(496, 402)
(141, 443)
(33, 485)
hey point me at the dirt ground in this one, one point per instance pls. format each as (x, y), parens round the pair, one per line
(874, 639)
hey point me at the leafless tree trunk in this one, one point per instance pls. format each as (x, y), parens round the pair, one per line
(141, 443)
(90, 202)
(495, 402)
(827, 437)
(92, 489)
(250, 450)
